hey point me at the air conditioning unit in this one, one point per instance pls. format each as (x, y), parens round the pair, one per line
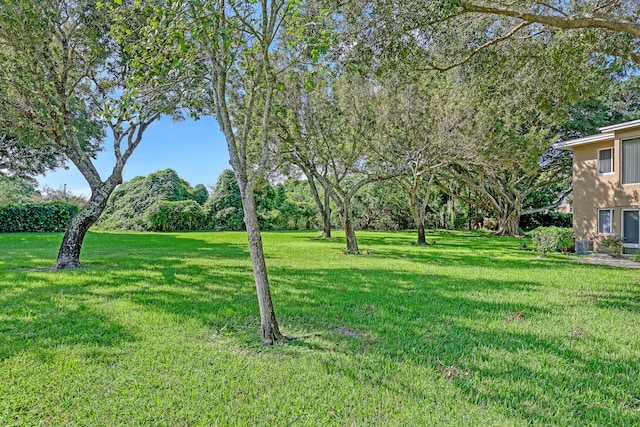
(584, 246)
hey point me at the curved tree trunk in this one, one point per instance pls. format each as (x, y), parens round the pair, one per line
(270, 331)
(323, 208)
(69, 253)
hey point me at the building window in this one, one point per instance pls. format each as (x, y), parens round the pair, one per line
(605, 161)
(631, 161)
(631, 227)
(605, 221)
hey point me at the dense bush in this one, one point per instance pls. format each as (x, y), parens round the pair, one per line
(224, 208)
(199, 194)
(275, 209)
(127, 206)
(614, 245)
(547, 239)
(300, 211)
(182, 215)
(37, 217)
(552, 219)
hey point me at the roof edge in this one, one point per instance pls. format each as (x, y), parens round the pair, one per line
(620, 126)
(567, 145)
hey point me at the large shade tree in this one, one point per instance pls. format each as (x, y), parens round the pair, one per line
(500, 63)
(64, 77)
(330, 137)
(612, 15)
(606, 27)
(301, 122)
(427, 33)
(519, 108)
(423, 127)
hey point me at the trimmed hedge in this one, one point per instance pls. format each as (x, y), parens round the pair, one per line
(36, 217)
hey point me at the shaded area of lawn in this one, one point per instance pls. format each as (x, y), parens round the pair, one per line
(468, 331)
(40, 318)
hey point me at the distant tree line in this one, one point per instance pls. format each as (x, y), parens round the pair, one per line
(162, 201)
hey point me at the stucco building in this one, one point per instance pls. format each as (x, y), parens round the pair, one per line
(606, 185)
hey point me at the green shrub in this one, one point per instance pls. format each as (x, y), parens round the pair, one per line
(614, 245)
(127, 206)
(199, 194)
(36, 217)
(182, 215)
(551, 219)
(224, 207)
(547, 239)
(230, 218)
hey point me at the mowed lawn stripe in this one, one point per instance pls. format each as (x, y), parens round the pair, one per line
(162, 329)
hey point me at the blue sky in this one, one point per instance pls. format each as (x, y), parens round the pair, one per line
(196, 150)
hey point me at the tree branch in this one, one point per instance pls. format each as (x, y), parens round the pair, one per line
(483, 47)
(585, 20)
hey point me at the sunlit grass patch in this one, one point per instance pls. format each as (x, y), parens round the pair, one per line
(162, 329)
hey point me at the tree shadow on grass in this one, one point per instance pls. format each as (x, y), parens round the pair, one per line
(448, 325)
(115, 250)
(39, 311)
(478, 345)
(151, 246)
(627, 299)
(33, 321)
(452, 327)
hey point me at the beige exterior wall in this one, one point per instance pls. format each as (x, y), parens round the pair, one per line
(592, 191)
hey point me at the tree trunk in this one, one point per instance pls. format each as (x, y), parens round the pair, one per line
(417, 218)
(509, 226)
(270, 331)
(451, 214)
(69, 253)
(326, 216)
(422, 239)
(350, 233)
(323, 208)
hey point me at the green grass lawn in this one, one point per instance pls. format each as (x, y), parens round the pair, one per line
(162, 329)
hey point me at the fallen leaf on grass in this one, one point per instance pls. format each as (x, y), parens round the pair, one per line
(451, 371)
(579, 332)
(516, 316)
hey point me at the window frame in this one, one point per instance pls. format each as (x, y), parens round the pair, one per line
(611, 160)
(610, 210)
(628, 245)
